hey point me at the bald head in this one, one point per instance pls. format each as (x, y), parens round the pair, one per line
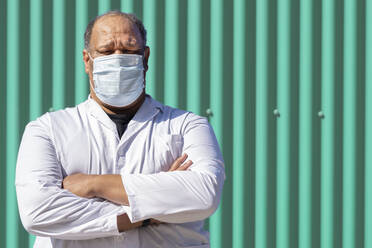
(124, 18)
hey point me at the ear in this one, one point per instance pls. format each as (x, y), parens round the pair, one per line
(86, 60)
(146, 58)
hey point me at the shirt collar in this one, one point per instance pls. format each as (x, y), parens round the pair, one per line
(147, 111)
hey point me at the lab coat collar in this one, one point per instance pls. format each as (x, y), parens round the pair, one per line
(147, 111)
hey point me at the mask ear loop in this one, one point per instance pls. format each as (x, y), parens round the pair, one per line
(90, 82)
(144, 64)
(90, 56)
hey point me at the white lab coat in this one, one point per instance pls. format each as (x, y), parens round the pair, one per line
(83, 139)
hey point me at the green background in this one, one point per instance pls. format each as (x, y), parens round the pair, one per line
(287, 86)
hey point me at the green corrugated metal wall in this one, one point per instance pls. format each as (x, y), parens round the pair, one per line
(286, 84)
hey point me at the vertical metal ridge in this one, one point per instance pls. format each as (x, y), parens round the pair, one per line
(261, 123)
(327, 132)
(349, 121)
(193, 56)
(47, 101)
(58, 54)
(216, 91)
(239, 125)
(127, 6)
(103, 6)
(250, 124)
(368, 129)
(36, 52)
(283, 142)
(171, 53)
(150, 22)
(81, 82)
(3, 113)
(305, 124)
(12, 119)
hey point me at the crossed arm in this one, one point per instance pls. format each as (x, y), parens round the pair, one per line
(181, 195)
(110, 187)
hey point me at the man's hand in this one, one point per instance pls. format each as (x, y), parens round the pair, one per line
(80, 184)
(179, 165)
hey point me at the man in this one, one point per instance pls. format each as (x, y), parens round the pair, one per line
(113, 171)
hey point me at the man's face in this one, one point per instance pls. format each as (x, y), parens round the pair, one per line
(114, 35)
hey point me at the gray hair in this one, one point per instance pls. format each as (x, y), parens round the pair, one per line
(131, 17)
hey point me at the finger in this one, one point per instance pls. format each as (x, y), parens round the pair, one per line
(185, 166)
(156, 222)
(182, 158)
(178, 162)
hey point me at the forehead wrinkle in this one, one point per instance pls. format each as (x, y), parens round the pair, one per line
(123, 34)
(111, 24)
(131, 42)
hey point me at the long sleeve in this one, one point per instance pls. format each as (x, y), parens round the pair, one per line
(181, 196)
(45, 208)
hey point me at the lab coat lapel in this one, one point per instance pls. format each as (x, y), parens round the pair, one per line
(149, 109)
(97, 112)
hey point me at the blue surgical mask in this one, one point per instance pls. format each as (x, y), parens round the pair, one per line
(118, 78)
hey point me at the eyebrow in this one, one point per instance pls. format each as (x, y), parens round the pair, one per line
(107, 45)
(127, 44)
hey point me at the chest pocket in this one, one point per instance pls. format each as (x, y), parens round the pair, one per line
(167, 148)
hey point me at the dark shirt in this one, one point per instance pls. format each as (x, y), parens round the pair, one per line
(121, 121)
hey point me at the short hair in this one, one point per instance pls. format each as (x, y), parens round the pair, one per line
(131, 17)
